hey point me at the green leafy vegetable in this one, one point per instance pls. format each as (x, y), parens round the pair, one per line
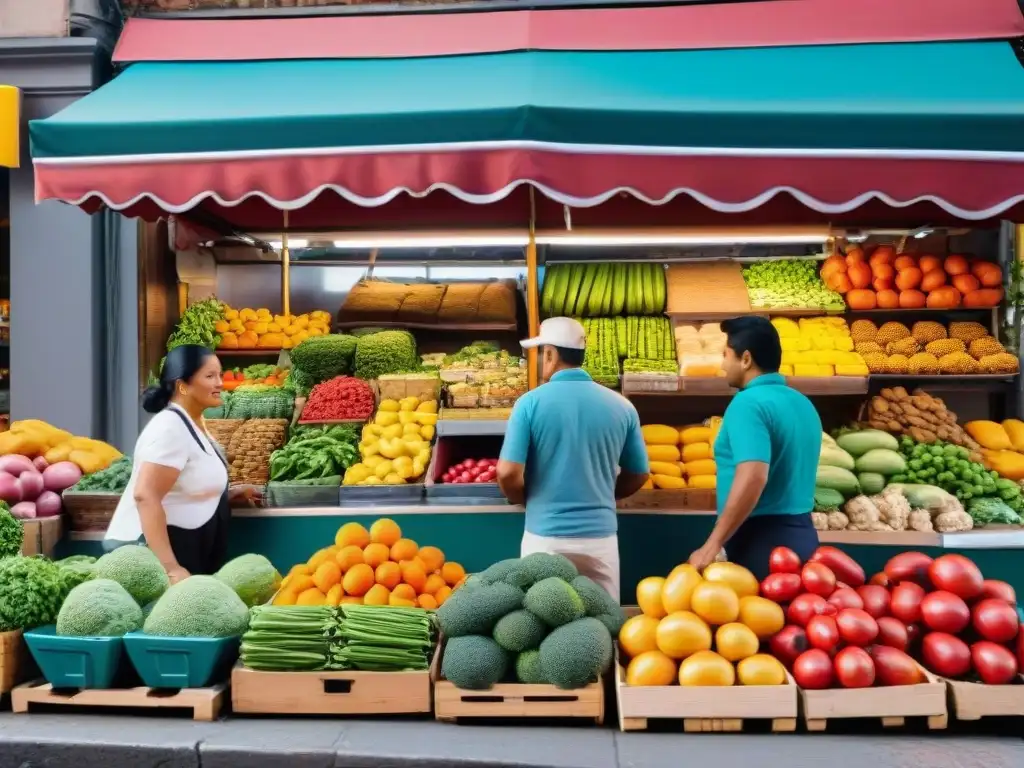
(113, 479)
(315, 453)
(31, 593)
(385, 352)
(324, 357)
(11, 532)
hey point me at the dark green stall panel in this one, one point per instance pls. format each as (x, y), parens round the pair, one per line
(650, 545)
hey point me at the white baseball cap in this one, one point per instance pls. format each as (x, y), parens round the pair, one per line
(558, 332)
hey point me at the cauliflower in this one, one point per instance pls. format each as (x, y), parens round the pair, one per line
(894, 508)
(921, 520)
(385, 352)
(864, 515)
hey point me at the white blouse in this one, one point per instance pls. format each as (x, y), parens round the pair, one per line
(195, 495)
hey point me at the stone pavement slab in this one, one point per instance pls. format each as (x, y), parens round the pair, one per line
(104, 741)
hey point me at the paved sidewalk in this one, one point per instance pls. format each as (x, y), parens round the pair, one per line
(87, 741)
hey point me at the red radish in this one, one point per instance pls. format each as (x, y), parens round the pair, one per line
(10, 491)
(14, 465)
(31, 484)
(24, 510)
(48, 504)
(40, 463)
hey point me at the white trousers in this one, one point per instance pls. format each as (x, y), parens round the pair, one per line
(598, 559)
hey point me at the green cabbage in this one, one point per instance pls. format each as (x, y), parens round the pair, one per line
(385, 352)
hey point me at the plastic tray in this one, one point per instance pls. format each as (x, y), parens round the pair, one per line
(299, 495)
(381, 495)
(75, 662)
(181, 662)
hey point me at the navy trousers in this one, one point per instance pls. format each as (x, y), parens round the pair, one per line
(754, 541)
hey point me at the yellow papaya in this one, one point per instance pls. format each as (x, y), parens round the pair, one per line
(87, 461)
(1015, 431)
(659, 434)
(667, 453)
(668, 482)
(695, 435)
(666, 468)
(1008, 464)
(990, 434)
(702, 467)
(58, 453)
(705, 482)
(696, 451)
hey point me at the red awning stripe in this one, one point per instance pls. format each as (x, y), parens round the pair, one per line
(967, 189)
(731, 25)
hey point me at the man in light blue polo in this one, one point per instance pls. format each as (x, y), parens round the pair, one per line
(572, 448)
(766, 453)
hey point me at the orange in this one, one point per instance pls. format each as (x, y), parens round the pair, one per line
(443, 594)
(285, 597)
(682, 634)
(318, 557)
(638, 635)
(385, 531)
(679, 586)
(651, 668)
(715, 602)
(327, 575)
(404, 592)
(349, 556)
(414, 575)
(358, 580)
(389, 574)
(434, 584)
(378, 594)
(735, 642)
(334, 595)
(349, 600)
(352, 534)
(301, 583)
(648, 596)
(311, 596)
(301, 568)
(394, 600)
(375, 554)
(427, 601)
(762, 615)
(452, 573)
(404, 549)
(432, 557)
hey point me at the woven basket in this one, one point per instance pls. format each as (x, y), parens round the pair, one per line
(89, 511)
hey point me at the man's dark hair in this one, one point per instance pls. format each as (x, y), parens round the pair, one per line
(573, 357)
(758, 337)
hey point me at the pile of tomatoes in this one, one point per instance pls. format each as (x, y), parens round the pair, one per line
(845, 631)
(471, 471)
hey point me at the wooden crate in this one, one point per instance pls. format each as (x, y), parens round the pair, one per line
(41, 536)
(706, 709)
(16, 663)
(204, 703)
(517, 700)
(89, 511)
(681, 500)
(330, 693)
(973, 701)
(892, 705)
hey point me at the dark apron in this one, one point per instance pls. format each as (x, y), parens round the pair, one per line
(754, 540)
(202, 550)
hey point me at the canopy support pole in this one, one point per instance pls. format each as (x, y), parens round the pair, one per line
(532, 303)
(286, 286)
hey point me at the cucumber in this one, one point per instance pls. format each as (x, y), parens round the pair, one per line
(589, 273)
(618, 289)
(659, 288)
(609, 289)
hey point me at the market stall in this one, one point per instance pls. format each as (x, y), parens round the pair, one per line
(372, 367)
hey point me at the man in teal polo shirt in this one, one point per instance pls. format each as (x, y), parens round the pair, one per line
(767, 455)
(572, 447)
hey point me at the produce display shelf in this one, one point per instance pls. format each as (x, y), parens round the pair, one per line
(455, 327)
(947, 381)
(471, 427)
(974, 701)
(332, 422)
(248, 352)
(710, 386)
(908, 539)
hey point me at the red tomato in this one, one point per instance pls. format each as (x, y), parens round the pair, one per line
(957, 574)
(854, 668)
(894, 667)
(856, 627)
(818, 579)
(945, 655)
(893, 633)
(913, 634)
(994, 664)
(823, 633)
(1020, 649)
(876, 599)
(487, 477)
(999, 590)
(465, 477)
(813, 670)
(787, 644)
(996, 620)
(906, 602)
(804, 607)
(844, 597)
(880, 579)
(781, 587)
(841, 564)
(945, 612)
(908, 566)
(783, 560)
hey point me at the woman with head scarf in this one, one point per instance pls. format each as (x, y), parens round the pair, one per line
(177, 497)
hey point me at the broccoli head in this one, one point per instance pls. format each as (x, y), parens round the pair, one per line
(324, 357)
(385, 352)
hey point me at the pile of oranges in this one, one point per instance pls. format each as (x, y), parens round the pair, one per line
(372, 567)
(260, 329)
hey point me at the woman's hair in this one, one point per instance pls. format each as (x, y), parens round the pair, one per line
(181, 364)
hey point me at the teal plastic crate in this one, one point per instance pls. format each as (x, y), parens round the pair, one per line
(181, 662)
(75, 662)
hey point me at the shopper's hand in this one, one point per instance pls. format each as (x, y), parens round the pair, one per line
(177, 573)
(704, 556)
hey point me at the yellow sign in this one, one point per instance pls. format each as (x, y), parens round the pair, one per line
(10, 126)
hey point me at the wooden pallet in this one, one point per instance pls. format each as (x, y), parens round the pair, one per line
(974, 701)
(517, 700)
(707, 709)
(892, 706)
(16, 664)
(205, 703)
